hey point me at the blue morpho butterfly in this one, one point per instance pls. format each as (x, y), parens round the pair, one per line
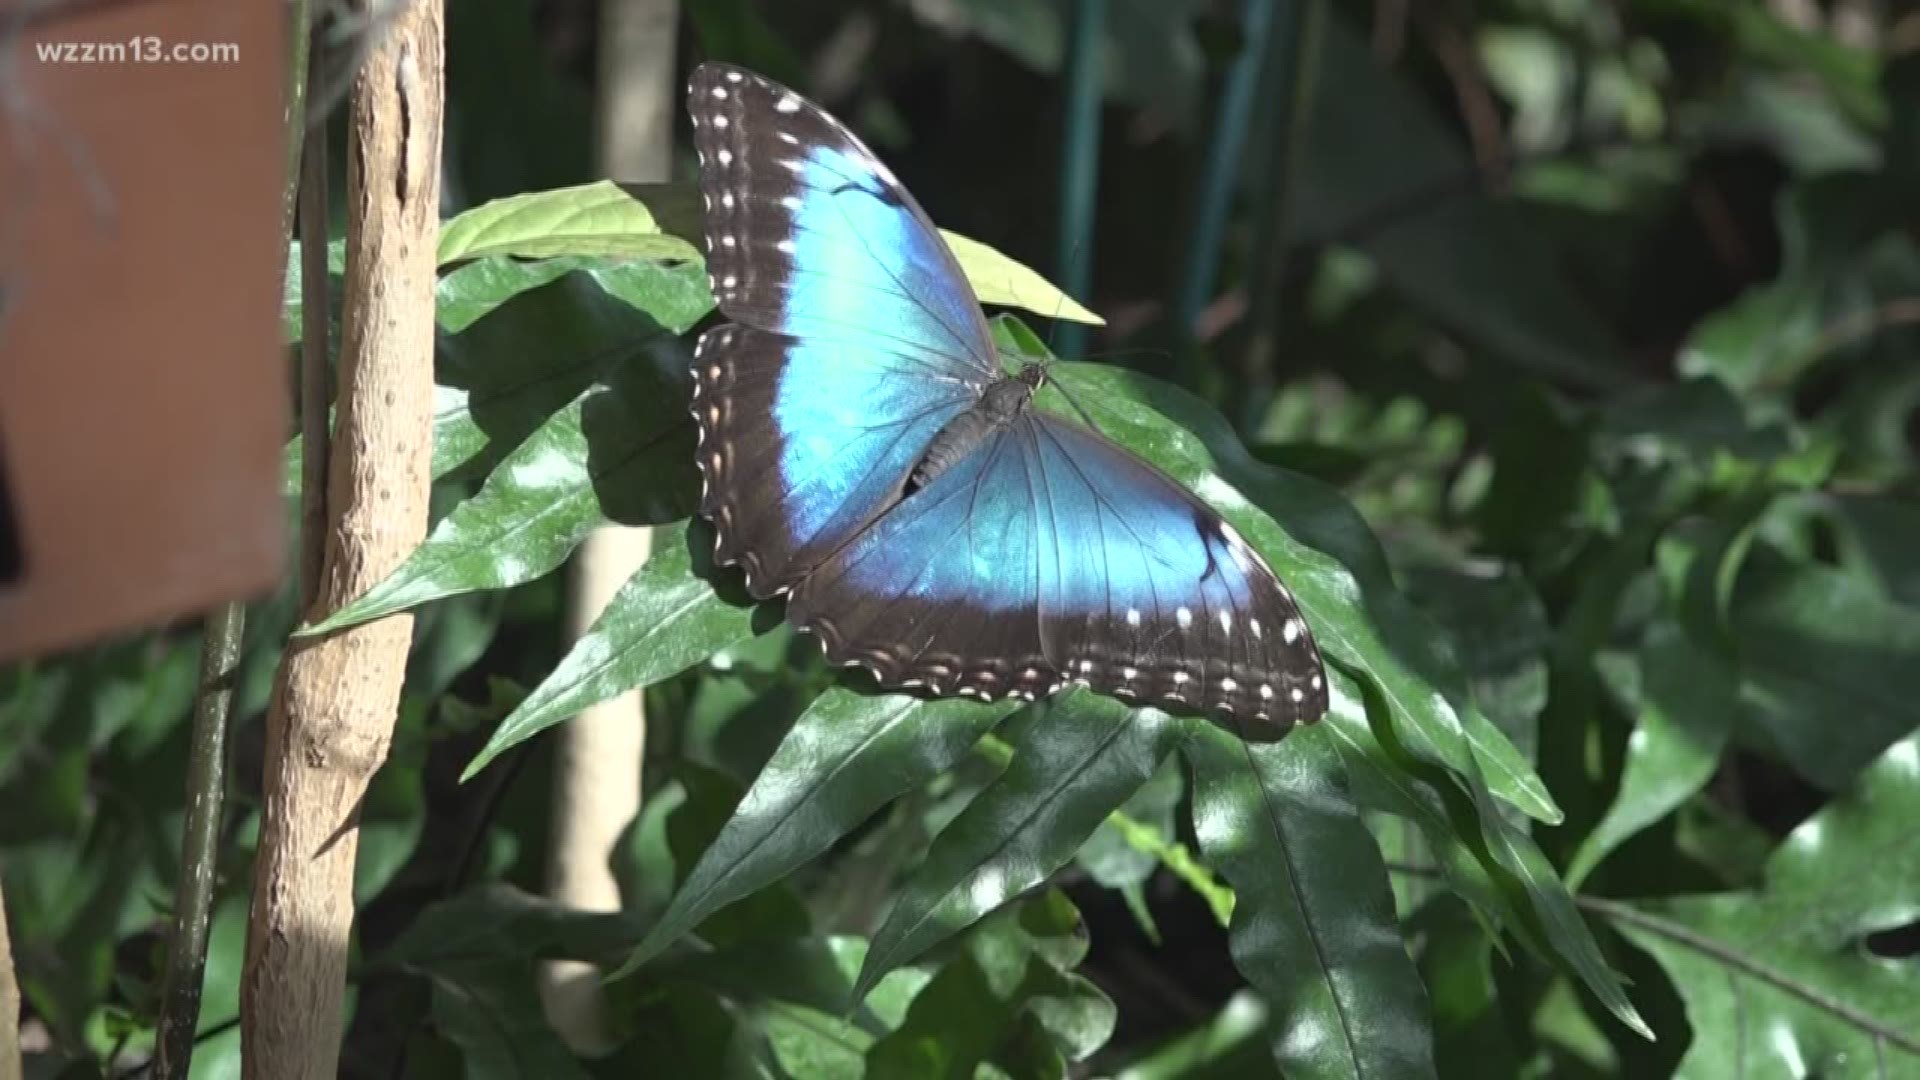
(864, 454)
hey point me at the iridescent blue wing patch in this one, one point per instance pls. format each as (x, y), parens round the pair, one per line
(855, 335)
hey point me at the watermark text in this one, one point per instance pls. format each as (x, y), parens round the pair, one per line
(139, 49)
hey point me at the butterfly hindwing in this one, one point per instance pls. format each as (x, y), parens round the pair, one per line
(940, 591)
(1146, 593)
(856, 335)
(1052, 556)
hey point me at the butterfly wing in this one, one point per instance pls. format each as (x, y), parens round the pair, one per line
(855, 336)
(1052, 556)
(1146, 592)
(941, 591)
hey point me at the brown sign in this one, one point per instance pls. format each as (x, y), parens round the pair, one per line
(142, 375)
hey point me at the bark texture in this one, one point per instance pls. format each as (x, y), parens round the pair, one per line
(9, 1005)
(332, 714)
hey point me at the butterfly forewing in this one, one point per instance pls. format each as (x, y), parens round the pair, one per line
(809, 234)
(856, 336)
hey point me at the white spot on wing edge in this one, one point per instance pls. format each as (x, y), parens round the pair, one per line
(787, 104)
(735, 77)
(1290, 631)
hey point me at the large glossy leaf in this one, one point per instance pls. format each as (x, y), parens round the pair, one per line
(543, 347)
(1000, 281)
(1082, 760)
(1831, 665)
(540, 502)
(1781, 981)
(675, 296)
(665, 619)
(1689, 700)
(1500, 631)
(560, 325)
(847, 755)
(591, 219)
(1314, 928)
(1488, 861)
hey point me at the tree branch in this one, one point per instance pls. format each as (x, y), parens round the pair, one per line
(332, 714)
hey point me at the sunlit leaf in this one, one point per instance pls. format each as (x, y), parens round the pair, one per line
(1689, 704)
(665, 619)
(1781, 981)
(847, 756)
(1000, 281)
(592, 219)
(1314, 927)
(1085, 757)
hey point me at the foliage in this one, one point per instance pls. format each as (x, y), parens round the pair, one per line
(1598, 492)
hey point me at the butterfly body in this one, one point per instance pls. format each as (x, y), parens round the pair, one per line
(1001, 404)
(864, 455)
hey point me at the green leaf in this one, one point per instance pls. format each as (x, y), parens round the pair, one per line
(540, 349)
(1006, 992)
(847, 755)
(1489, 861)
(952, 1025)
(591, 219)
(1380, 780)
(1831, 667)
(1500, 631)
(665, 619)
(502, 379)
(674, 296)
(538, 505)
(1080, 762)
(1690, 699)
(1114, 855)
(1780, 981)
(1000, 281)
(1314, 928)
